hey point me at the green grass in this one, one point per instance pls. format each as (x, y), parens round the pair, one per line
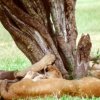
(11, 58)
(88, 21)
(63, 98)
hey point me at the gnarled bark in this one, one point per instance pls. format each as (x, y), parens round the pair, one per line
(42, 26)
(83, 58)
(30, 34)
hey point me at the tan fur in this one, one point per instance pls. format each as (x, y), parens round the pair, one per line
(50, 72)
(88, 86)
(33, 89)
(94, 69)
(95, 73)
(94, 66)
(53, 72)
(35, 76)
(31, 75)
(48, 59)
(39, 77)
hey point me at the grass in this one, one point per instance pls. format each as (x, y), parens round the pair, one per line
(11, 58)
(87, 18)
(63, 98)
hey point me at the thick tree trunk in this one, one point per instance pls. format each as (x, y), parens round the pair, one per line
(42, 26)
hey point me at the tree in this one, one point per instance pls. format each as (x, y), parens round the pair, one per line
(42, 26)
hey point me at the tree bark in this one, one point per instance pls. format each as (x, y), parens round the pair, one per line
(83, 56)
(42, 26)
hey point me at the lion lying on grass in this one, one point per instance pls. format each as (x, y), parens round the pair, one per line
(50, 83)
(84, 87)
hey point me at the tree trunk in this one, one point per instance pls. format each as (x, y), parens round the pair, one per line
(42, 26)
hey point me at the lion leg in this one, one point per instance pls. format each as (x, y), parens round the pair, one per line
(4, 93)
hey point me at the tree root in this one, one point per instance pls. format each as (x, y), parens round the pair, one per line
(42, 64)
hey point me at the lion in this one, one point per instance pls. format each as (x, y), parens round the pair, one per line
(85, 87)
